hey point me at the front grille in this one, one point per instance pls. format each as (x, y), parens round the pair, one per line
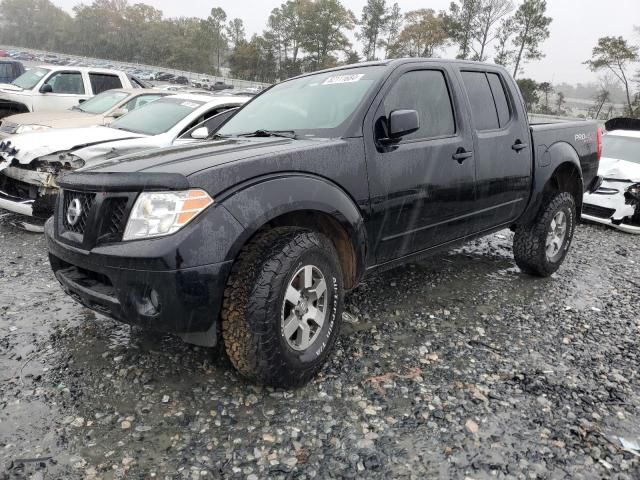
(113, 223)
(596, 211)
(8, 127)
(86, 201)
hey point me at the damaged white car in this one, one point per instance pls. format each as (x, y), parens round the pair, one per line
(617, 201)
(31, 162)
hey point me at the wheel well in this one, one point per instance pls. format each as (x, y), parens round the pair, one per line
(12, 108)
(567, 178)
(333, 230)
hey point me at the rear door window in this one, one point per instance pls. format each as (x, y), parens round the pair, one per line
(101, 82)
(483, 107)
(500, 97)
(67, 83)
(425, 91)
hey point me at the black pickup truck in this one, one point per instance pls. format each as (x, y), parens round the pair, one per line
(254, 236)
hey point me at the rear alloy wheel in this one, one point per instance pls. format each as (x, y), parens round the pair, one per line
(283, 307)
(541, 246)
(556, 236)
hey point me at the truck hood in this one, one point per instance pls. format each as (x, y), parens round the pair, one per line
(614, 169)
(65, 119)
(30, 146)
(9, 87)
(192, 158)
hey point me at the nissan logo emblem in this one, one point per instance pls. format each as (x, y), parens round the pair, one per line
(74, 212)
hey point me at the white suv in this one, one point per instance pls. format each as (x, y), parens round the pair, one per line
(54, 89)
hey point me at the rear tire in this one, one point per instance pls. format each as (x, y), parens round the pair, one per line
(269, 338)
(540, 247)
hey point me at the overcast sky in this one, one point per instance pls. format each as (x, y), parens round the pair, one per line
(577, 24)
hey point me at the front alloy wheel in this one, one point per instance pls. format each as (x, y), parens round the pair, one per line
(283, 306)
(304, 309)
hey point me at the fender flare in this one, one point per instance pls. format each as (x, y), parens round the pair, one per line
(548, 161)
(262, 200)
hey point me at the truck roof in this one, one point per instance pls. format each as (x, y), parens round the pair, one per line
(401, 61)
(57, 68)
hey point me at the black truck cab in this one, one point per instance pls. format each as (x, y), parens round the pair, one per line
(254, 236)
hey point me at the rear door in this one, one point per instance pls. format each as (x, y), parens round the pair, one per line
(502, 153)
(421, 196)
(101, 82)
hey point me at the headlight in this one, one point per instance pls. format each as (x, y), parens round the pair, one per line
(633, 193)
(156, 214)
(30, 128)
(64, 160)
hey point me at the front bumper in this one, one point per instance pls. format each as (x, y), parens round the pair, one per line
(609, 206)
(186, 301)
(28, 192)
(16, 205)
(624, 227)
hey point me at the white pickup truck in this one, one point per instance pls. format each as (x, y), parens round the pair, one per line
(53, 89)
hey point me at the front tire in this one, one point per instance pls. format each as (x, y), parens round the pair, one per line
(540, 247)
(283, 307)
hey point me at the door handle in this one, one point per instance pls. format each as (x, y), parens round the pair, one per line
(461, 155)
(519, 146)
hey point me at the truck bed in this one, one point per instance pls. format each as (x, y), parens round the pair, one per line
(568, 138)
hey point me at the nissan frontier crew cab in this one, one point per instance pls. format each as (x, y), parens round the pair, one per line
(252, 238)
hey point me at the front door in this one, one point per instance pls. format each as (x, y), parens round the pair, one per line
(502, 152)
(67, 90)
(422, 187)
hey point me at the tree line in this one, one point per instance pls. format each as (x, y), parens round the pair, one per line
(616, 59)
(306, 35)
(299, 35)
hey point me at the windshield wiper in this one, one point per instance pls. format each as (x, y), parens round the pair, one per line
(270, 133)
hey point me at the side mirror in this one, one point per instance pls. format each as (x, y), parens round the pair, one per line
(46, 88)
(118, 112)
(81, 101)
(403, 122)
(200, 133)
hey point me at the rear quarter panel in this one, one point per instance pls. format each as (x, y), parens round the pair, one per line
(556, 143)
(555, 146)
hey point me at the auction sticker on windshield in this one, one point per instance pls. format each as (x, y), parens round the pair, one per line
(343, 79)
(190, 104)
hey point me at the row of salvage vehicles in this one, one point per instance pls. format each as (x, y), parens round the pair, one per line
(37, 147)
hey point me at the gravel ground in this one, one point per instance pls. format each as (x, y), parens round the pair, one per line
(457, 367)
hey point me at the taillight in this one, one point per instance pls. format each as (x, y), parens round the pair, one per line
(599, 144)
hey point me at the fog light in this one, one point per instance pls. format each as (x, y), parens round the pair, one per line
(148, 304)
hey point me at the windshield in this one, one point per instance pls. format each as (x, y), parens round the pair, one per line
(318, 103)
(157, 117)
(30, 79)
(621, 148)
(103, 102)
